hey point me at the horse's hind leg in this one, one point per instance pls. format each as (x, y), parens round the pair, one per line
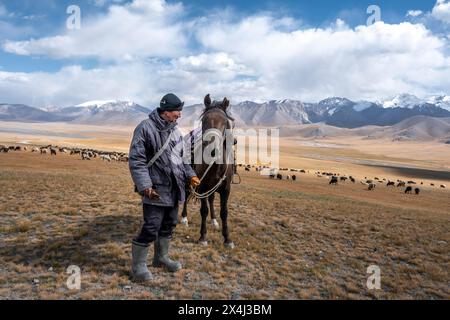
(224, 195)
(214, 222)
(184, 219)
(204, 214)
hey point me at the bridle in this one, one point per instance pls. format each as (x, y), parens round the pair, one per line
(206, 194)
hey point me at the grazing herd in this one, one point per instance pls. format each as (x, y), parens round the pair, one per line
(84, 154)
(336, 178)
(6, 149)
(109, 156)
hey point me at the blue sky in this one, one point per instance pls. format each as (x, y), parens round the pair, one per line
(139, 49)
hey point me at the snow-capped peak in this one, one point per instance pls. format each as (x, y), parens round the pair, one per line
(440, 101)
(404, 100)
(96, 103)
(334, 101)
(107, 105)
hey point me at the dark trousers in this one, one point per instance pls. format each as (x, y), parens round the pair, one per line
(158, 222)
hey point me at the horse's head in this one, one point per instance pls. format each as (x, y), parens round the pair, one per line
(215, 114)
(215, 122)
(223, 105)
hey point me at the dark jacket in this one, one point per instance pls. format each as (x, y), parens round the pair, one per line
(168, 174)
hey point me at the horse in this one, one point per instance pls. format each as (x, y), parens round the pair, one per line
(216, 176)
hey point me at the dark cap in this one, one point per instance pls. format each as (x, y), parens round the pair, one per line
(171, 102)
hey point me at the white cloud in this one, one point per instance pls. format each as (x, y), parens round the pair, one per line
(135, 30)
(157, 49)
(365, 62)
(441, 10)
(414, 13)
(191, 77)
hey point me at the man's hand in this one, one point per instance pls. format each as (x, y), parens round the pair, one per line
(195, 182)
(151, 193)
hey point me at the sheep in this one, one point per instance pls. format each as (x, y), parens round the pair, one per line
(401, 184)
(105, 157)
(417, 190)
(390, 183)
(294, 177)
(408, 189)
(334, 180)
(372, 186)
(85, 156)
(279, 177)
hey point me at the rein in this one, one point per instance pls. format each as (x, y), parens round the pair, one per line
(206, 194)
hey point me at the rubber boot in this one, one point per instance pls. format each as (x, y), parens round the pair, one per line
(139, 268)
(161, 256)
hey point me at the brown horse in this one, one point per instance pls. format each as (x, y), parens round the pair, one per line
(215, 168)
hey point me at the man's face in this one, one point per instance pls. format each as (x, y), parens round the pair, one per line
(171, 116)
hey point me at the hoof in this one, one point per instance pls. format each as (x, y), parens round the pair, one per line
(215, 224)
(185, 221)
(203, 243)
(230, 245)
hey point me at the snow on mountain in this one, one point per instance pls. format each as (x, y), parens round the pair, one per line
(362, 105)
(335, 111)
(110, 105)
(440, 101)
(96, 103)
(403, 101)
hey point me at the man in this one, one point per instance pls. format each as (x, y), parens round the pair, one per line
(161, 181)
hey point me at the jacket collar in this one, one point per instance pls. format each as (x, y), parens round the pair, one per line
(160, 123)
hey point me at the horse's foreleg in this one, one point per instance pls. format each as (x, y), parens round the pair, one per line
(204, 214)
(224, 195)
(214, 222)
(184, 219)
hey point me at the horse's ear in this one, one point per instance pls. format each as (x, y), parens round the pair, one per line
(207, 101)
(225, 103)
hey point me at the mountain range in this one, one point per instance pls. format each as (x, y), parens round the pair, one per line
(416, 128)
(337, 112)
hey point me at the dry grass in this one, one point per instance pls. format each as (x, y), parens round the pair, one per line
(294, 240)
